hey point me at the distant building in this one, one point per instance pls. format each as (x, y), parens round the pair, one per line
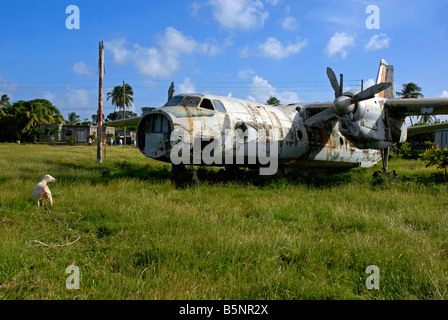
(80, 132)
(441, 138)
(130, 135)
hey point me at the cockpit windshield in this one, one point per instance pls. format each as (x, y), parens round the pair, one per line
(196, 106)
(190, 101)
(174, 101)
(186, 101)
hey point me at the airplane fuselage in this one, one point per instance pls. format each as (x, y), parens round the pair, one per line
(203, 119)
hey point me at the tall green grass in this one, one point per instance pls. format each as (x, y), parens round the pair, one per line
(309, 235)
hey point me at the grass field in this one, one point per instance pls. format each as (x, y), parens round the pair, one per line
(305, 236)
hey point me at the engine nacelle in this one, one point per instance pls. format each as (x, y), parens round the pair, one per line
(371, 126)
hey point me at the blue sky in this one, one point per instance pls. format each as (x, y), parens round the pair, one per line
(252, 48)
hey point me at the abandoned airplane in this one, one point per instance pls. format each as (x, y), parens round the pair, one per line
(355, 130)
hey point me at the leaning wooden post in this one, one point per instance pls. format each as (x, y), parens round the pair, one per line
(100, 105)
(124, 112)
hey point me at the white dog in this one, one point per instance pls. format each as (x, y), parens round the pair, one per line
(41, 192)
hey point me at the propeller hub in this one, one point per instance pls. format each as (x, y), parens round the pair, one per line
(343, 105)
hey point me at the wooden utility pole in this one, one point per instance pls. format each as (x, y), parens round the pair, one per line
(341, 85)
(99, 154)
(124, 112)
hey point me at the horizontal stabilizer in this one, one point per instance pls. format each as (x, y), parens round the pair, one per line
(123, 122)
(426, 128)
(415, 107)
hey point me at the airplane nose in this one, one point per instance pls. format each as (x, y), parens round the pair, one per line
(153, 137)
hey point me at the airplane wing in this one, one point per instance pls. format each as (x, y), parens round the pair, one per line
(123, 122)
(415, 107)
(426, 128)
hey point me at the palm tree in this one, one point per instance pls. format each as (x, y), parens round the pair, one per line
(24, 118)
(52, 132)
(73, 118)
(57, 115)
(35, 113)
(116, 94)
(412, 91)
(95, 118)
(4, 101)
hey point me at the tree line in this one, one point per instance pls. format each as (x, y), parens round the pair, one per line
(20, 120)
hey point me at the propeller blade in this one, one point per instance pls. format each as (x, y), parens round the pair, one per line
(370, 92)
(322, 116)
(334, 81)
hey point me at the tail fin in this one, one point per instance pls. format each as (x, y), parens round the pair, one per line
(386, 74)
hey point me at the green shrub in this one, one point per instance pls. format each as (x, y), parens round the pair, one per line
(438, 157)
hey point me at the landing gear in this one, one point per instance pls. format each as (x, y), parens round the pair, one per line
(180, 174)
(391, 174)
(385, 159)
(194, 175)
(178, 170)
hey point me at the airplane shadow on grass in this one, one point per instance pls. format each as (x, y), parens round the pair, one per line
(316, 178)
(95, 174)
(100, 174)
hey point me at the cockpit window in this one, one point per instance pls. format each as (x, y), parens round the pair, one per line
(219, 106)
(207, 104)
(190, 101)
(174, 101)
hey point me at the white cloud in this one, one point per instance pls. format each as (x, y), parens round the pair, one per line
(153, 62)
(80, 68)
(195, 7)
(7, 88)
(246, 73)
(49, 96)
(245, 52)
(187, 86)
(339, 44)
(444, 94)
(369, 83)
(239, 14)
(260, 90)
(273, 48)
(119, 51)
(210, 48)
(77, 97)
(377, 42)
(165, 58)
(290, 23)
(175, 41)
